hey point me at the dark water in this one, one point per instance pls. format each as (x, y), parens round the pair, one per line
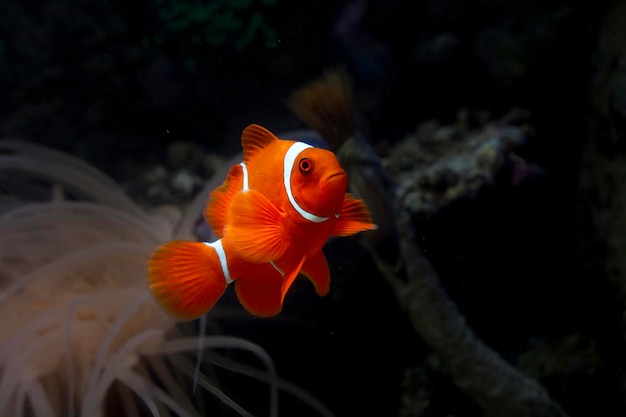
(118, 84)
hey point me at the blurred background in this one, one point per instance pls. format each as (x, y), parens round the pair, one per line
(156, 93)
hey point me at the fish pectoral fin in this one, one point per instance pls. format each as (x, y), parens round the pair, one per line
(353, 217)
(220, 199)
(186, 278)
(315, 268)
(255, 228)
(260, 293)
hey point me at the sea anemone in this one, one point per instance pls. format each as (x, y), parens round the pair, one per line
(79, 333)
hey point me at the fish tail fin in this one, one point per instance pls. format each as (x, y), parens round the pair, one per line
(186, 278)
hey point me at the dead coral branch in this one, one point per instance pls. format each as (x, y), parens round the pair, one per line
(499, 388)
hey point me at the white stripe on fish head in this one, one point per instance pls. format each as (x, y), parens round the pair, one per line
(290, 159)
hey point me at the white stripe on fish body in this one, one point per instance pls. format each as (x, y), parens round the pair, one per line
(245, 176)
(290, 159)
(221, 255)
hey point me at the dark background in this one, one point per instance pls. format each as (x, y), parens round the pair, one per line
(118, 82)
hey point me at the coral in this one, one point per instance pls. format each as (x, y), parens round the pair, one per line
(437, 165)
(236, 23)
(79, 333)
(481, 372)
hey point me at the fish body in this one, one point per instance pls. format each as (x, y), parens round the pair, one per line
(273, 214)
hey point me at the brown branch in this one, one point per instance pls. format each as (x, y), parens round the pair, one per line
(499, 388)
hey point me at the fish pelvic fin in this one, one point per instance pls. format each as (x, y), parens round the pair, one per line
(353, 217)
(290, 277)
(255, 228)
(220, 199)
(315, 268)
(186, 278)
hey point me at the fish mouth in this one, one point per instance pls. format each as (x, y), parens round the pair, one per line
(335, 177)
(334, 182)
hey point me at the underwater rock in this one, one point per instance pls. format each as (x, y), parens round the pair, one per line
(438, 164)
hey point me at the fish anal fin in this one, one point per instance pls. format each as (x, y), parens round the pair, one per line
(353, 217)
(315, 268)
(255, 228)
(186, 278)
(220, 199)
(255, 138)
(260, 293)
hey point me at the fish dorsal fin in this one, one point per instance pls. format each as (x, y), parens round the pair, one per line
(253, 139)
(353, 217)
(255, 227)
(217, 207)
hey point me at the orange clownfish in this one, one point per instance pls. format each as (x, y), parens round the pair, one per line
(272, 214)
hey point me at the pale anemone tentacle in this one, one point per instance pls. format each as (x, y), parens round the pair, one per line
(62, 170)
(146, 390)
(19, 370)
(116, 363)
(20, 397)
(210, 387)
(66, 175)
(84, 213)
(77, 259)
(128, 400)
(39, 401)
(282, 384)
(170, 384)
(216, 342)
(259, 374)
(201, 336)
(69, 356)
(79, 291)
(99, 363)
(40, 152)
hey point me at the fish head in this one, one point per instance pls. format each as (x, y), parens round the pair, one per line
(318, 182)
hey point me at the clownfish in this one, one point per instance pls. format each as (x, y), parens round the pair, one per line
(272, 214)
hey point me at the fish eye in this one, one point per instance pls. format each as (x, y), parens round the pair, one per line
(306, 165)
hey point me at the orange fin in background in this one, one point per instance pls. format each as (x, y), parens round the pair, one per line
(186, 278)
(353, 217)
(260, 292)
(315, 268)
(255, 228)
(253, 139)
(221, 197)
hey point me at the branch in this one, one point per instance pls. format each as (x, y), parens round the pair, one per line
(499, 388)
